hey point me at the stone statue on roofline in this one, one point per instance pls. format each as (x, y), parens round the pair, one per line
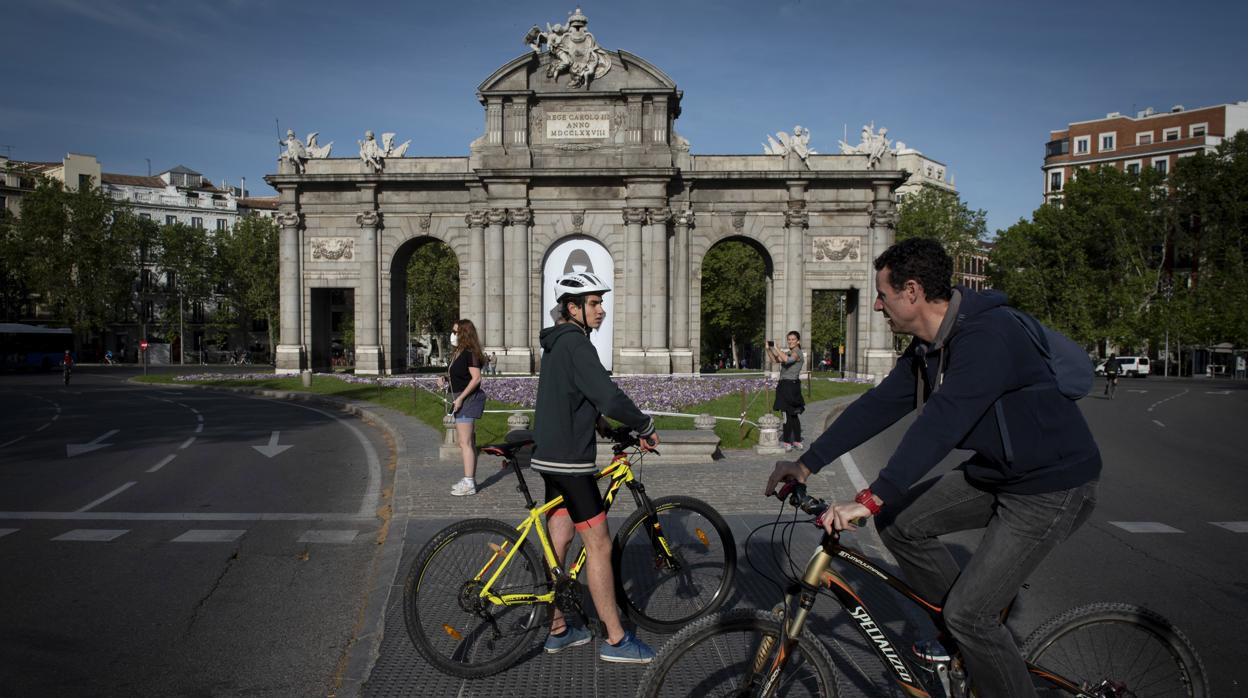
(374, 155)
(798, 143)
(573, 50)
(298, 152)
(875, 145)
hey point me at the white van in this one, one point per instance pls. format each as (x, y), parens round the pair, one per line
(1133, 366)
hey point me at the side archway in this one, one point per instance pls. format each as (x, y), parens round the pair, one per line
(424, 301)
(737, 281)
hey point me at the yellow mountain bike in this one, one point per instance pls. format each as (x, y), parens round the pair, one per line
(480, 589)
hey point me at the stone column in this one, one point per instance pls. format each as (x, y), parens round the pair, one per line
(494, 308)
(475, 283)
(795, 221)
(368, 357)
(682, 353)
(633, 288)
(290, 354)
(517, 286)
(654, 280)
(880, 355)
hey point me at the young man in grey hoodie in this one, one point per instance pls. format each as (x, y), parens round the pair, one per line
(573, 393)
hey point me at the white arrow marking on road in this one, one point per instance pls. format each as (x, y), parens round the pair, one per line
(273, 448)
(72, 450)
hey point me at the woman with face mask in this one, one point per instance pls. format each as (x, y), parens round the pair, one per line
(467, 398)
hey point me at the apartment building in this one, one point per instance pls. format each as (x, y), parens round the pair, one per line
(1149, 139)
(924, 172)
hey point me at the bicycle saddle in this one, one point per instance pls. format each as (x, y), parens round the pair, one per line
(516, 440)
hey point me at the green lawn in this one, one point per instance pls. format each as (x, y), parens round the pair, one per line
(428, 408)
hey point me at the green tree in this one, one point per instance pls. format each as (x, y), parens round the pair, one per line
(247, 271)
(433, 290)
(185, 257)
(936, 213)
(734, 294)
(827, 324)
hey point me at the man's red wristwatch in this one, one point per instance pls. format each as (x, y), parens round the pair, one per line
(867, 499)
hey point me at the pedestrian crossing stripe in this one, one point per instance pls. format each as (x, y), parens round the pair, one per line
(93, 535)
(195, 535)
(1144, 527)
(6, 531)
(1232, 526)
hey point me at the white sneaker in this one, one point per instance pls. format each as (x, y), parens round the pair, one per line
(463, 488)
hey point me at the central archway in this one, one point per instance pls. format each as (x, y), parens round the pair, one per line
(581, 253)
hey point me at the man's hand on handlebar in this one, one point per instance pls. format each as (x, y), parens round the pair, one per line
(649, 443)
(784, 471)
(845, 516)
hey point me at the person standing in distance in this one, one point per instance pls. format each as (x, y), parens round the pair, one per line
(574, 392)
(467, 399)
(967, 366)
(789, 389)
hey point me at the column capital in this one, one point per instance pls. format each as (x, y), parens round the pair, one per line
(521, 216)
(796, 218)
(496, 216)
(660, 216)
(475, 219)
(684, 219)
(292, 219)
(633, 215)
(883, 215)
(368, 219)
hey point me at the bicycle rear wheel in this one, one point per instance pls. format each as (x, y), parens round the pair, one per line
(449, 623)
(730, 654)
(665, 596)
(1117, 649)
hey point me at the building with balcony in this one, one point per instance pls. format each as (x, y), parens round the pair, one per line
(924, 172)
(1149, 139)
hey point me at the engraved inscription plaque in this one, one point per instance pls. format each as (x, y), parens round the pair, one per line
(578, 125)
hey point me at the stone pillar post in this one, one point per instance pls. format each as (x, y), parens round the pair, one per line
(494, 309)
(517, 286)
(795, 220)
(633, 262)
(880, 355)
(654, 281)
(680, 287)
(290, 354)
(475, 283)
(368, 358)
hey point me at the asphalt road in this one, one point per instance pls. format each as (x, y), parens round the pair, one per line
(179, 542)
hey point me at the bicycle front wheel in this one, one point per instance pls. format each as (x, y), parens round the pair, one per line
(450, 624)
(734, 654)
(1117, 649)
(676, 569)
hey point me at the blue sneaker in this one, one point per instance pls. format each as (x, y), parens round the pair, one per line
(574, 637)
(629, 651)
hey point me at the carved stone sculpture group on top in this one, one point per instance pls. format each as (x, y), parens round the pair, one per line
(297, 153)
(798, 143)
(874, 145)
(573, 49)
(375, 155)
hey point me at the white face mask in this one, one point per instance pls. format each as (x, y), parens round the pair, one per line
(454, 339)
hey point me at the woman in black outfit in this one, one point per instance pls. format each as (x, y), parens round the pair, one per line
(789, 389)
(467, 398)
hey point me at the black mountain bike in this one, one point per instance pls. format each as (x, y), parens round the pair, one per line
(480, 589)
(1102, 650)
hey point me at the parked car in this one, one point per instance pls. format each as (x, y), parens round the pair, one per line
(1137, 366)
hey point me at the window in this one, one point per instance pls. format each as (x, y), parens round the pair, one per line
(169, 282)
(1171, 134)
(147, 311)
(197, 222)
(1058, 147)
(1198, 130)
(4, 204)
(1108, 141)
(1055, 181)
(259, 325)
(1133, 167)
(1083, 145)
(170, 220)
(1162, 165)
(1145, 138)
(197, 312)
(145, 216)
(220, 224)
(84, 182)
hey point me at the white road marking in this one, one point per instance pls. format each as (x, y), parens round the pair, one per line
(57, 415)
(1158, 423)
(1135, 390)
(165, 461)
(176, 516)
(1217, 392)
(273, 448)
(93, 535)
(1144, 527)
(199, 427)
(10, 443)
(210, 535)
(855, 475)
(186, 443)
(1232, 526)
(108, 496)
(72, 450)
(6, 531)
(326, 536)
(44, 426)
(372, 492)
(199, 417)
(1159, 402)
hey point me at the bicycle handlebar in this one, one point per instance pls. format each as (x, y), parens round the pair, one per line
(795, 494)
(624, 438)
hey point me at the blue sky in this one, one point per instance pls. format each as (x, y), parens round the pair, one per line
(976, 85)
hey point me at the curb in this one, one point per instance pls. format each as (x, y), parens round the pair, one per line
(365, 647)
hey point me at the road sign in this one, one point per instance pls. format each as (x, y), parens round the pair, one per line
(143, 345)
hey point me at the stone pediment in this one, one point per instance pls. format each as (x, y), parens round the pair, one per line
(528, 73)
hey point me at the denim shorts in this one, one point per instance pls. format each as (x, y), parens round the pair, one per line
(472, 409)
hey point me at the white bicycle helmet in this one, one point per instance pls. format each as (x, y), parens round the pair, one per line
(579, 283)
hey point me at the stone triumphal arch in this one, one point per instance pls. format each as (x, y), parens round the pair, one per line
(578, 166)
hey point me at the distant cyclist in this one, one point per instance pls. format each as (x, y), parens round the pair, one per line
(67, 366)
(1112, 369)
(574, 391)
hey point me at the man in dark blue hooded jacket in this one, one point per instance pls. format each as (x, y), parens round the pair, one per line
(968, 352)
